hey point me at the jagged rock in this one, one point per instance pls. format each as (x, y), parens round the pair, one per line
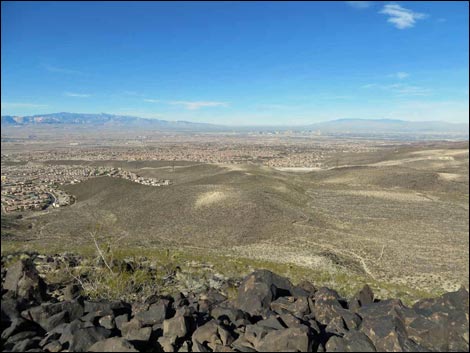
(364, 297)
(9, 309)
(329, 312)
(431, 334)
(450, 312)
(352, 341)
(269, 314)
(18, 325)
(114, 344)
(104, 308)
(232, 314)
(49, 315)
(26, 345)
(167, 343)
(156, 313)
(175, 328)
(307, 287)
(107, 322)
(120, 320)
(23, 280)
(184, 347)
(388, 333)
(211, 334)
(80, 338)
(389, 307)
(298, 306)
(271, 322)
(20, 336)
(296, 339)
(54, 346)
(259, 289)
(133, 331)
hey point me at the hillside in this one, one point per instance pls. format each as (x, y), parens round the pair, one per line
(367, 219)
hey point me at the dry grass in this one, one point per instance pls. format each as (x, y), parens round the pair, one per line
(401, 226)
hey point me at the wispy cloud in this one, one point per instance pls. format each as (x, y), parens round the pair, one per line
(148, 100)
(401, 89)
(132, 93)
(400, 75)
(199, 104)
(137, 113)
(77, 95)
(62, 70)
(401, 17)
(359, 4)
(22, 105)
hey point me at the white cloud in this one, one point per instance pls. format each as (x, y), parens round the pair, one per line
(401, 89)
(137, 113)
(401, 75)
(198, 104)
(151, 100)
(359, 4)
(401, 17)
(76, 95)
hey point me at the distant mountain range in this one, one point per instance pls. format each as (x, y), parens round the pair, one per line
(388, 126)
(340, 126)
(102, 120)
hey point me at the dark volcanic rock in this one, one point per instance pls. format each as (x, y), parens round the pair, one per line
(259, 289)
(133, 331)
(288, 340)
(211, 335)
(114, 344)
(104, 308)
(80, 338)
(49, 315)
(269, 314)
(364, 297)
(352, 341)
(156, 313)
(23, 280)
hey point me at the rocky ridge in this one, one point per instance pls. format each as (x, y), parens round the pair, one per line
(268, 314)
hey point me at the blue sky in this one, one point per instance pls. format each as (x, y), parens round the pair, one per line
(237, 63)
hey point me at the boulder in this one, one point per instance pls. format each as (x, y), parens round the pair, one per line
(388, 334)
(114, 344)
(227, 313)
(353, 341)
(103, 308)
(259, 289)
(107, 322)
(80, 338)
(175, 328)
(23, 280)
(120, 320)
(133, 331)
(50, 315)
(156, 313)
(211, 335)
(329, 312)
(298, 306)
(364, 297)
(296, 339)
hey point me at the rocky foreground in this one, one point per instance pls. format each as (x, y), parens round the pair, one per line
(268, 314)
